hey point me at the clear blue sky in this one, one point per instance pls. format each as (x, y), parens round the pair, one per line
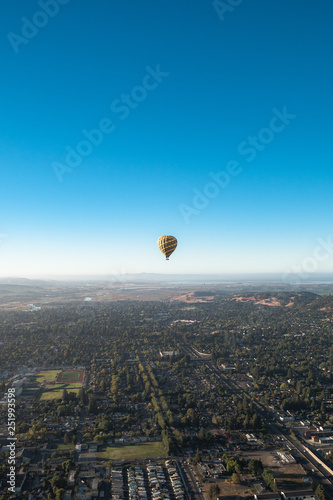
(180, 90)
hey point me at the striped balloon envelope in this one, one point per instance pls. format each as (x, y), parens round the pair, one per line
(167, 245)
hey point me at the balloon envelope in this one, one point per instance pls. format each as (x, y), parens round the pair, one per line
(167, 245)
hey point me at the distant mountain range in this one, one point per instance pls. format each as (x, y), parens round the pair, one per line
(145, 278)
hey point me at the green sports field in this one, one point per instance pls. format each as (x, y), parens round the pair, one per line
(130, 452)
(47, 375)
(73, 376)
(55, 390)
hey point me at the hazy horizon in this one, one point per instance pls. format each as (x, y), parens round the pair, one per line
(187, 277)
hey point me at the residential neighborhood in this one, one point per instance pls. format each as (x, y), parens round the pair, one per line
(168, 401)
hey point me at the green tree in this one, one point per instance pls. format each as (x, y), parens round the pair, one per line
(59, 494)
(321, 493)
(235, 478)
(255, 467)
(269, 479)
(57, 482)
(82, 396)
(92, 405)
(65, 396)
(105, 425)
(201, 434)
(214, 491)
(197, 457)
(67, 465)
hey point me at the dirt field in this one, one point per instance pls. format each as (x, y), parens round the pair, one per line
(229, 489)
(190, 298)
(272, 301)
(288, 475)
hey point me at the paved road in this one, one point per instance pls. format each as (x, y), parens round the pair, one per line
(194, 490)
(318, 472)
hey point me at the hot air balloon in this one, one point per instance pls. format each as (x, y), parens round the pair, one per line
(167, 245)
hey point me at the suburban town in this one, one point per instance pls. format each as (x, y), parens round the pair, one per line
(204, 395)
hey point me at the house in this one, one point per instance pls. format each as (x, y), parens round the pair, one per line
(284, 417)
(251, 438)
(268, 496)
(315, 439)
(298, 495)
(286, 457)
(231, 497)
(168, 354)
(324, 439)
(20, 479)
(81, 447)
(25, 455)
(71, 478)
(93, 447)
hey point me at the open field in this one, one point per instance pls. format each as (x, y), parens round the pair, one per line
(65, 446)
(71, 380)
(271, 301)
(288, 475)
(191, 298)
(62, 447)
(229, 489)
(55, 391)
(70, 376)
(130, 452)
(52, 294)
(47, 375)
